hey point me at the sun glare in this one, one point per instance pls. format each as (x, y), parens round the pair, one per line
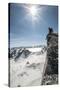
(33, 10)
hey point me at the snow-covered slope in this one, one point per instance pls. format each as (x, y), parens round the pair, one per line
(27, 69)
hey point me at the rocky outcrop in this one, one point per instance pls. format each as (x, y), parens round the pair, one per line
(52, 52)
(51, 73)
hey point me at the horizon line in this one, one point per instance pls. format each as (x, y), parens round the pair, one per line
(28, 46)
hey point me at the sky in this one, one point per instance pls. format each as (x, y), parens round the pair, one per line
(29, 28)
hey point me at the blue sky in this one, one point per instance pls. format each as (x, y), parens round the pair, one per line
(26, 30)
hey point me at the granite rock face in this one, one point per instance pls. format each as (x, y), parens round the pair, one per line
(51, 73)
(52, 52)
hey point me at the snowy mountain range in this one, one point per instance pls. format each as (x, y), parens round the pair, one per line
(23, 52)
(27, 66)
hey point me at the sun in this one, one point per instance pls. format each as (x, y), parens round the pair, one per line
(33, 10)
